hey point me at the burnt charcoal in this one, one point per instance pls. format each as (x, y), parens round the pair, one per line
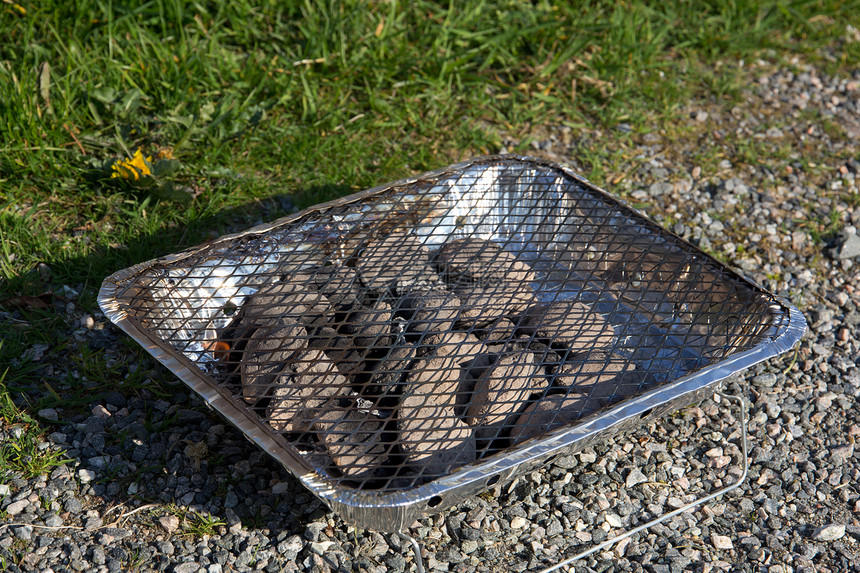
(573, 324)
(295, 301)
(459, 348)
(596, 372)
(550, 413)
(354, 440)
(339, 284)
(308, 382)
(465, 354)
(547, 357)
(483, 304)
(267, 352)
(550, 358)
(370, 327)
(480, 262)
(502, 389)
(432, 436)
(501, 330)
(427, 280)
(431, 311)
(349, 357)
(603, 376)
(436, 374)
(389, 371)
(453, 363)
(490, 281)
(397, 261)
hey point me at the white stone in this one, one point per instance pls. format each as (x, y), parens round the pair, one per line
(100, 411)
(169, 523)
(635, 478)
(829, 532)
(86, 476)
(518, 522)
(320, 547)
(721, 542)
(17, 507)
(613, 520)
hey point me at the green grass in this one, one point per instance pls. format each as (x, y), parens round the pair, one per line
(21, 454)
(314, 100)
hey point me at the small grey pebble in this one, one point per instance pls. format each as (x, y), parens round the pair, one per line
(54, 521)
(48, 414)
(231, 500)
(767, 379)
(98, 555)
(188, 567)
(73, 505)
(23, 532)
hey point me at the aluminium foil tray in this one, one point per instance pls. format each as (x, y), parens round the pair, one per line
(679, 320)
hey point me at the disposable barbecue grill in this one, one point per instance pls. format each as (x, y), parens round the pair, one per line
(403, 348)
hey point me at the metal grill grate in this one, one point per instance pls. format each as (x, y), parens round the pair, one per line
(442, 326)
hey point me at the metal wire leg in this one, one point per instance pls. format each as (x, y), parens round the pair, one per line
(416, 550)
(608, 543)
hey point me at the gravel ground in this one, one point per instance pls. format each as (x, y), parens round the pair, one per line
(159, 483)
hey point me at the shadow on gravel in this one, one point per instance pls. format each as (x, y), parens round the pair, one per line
(134, 433)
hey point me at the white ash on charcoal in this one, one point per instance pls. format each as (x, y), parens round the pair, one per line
(404, 343)
(550, 413)
(432, 436)
(370, 327)
(595, 372)
(574, 324)
(502, 389)
(308, 382)
(388, 372)
(354, 440)
(294, 300)
(480, 262)
(266, 354)
(342, 349)
(429, 311)
(500, 330)
(433, 439)
(339, 284)
(481, 305)
(398, 260)
(491, 282)
(460, 348)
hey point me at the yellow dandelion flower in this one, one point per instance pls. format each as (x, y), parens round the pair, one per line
(135, 168)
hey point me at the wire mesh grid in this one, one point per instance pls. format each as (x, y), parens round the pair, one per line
(394, 337)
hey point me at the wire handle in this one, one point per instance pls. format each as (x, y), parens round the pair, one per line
(416, 550)
(608, 543)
